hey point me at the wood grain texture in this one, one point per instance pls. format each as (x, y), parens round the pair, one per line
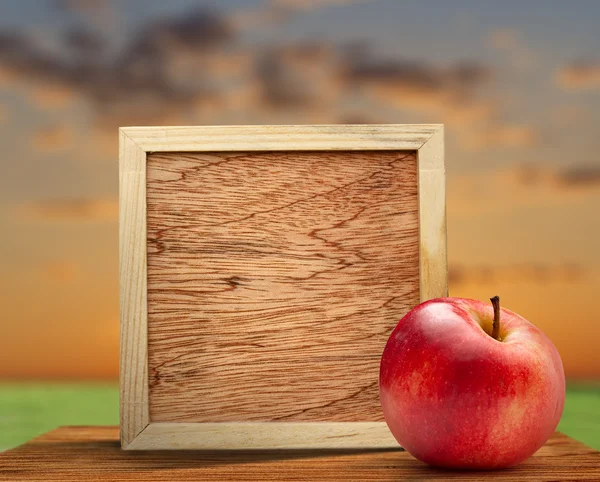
(432, 218)
(282, 138)
(133, 370)
(264, 435)
(274, 281)
(93, 454)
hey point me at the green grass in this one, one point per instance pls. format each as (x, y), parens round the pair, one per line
(581, 418)
(27, 410)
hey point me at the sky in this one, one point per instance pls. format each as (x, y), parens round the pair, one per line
(517, 85)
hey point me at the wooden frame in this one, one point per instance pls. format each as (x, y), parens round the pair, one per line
(137, 431)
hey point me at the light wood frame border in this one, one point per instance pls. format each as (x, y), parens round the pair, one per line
(137, 433)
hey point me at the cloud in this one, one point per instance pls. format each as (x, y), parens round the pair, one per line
(50, 96)
(503, 39)
(296, 75)
(511, 42)
(573, 177)
(514, 186)
(445, 93)
(136, 83)
(565, 115)
(197, 31)
(579, 75)
(20, 58)
(191, 65)
(193, 69)
(69, 210)
(53, 138)
(325, 81)
(100, 13)
(578, 176)
(394, 76)
(84, 42)
(61, 271)
(523, 272)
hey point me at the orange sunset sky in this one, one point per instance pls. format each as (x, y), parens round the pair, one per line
(517, 86)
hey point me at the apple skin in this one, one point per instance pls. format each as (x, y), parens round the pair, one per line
(455, 397)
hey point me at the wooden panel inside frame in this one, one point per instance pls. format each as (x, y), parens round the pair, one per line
(274, 281)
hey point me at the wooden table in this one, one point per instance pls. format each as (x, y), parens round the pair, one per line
(94, 453)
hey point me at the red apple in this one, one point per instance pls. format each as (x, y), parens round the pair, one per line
(465, 384)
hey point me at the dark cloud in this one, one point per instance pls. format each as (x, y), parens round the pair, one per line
(172, 68)
(579, 75)
(288, 76)
(142, 71)
(195, 31)
(20, 57)
(101, 14)
(135, 84)
(529, 174)
(361, 69)
(84, 42)
(576, 176)
(278, 87)
(447, 94)
(579, 176)
(301, 75)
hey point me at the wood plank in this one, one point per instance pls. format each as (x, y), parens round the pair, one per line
(274, 281)
(433, 250)
(288, 138)
(133, 312)
(264, 435)
(93, 453)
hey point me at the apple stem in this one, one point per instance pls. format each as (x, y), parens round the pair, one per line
(496, 326)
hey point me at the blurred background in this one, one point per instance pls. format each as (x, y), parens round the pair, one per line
(517, 85)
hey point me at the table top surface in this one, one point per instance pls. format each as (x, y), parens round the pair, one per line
(94, 453)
